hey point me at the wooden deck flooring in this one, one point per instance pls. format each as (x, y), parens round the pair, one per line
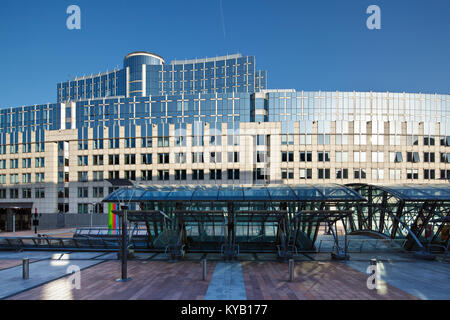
(151, 280)
(4, 264)
(313, 281)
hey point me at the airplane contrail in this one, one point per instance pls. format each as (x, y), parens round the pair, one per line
(223, 18)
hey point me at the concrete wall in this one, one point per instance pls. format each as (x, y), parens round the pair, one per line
(72, 220)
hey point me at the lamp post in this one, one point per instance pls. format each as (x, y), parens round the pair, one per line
(35, 220)
(124, 248)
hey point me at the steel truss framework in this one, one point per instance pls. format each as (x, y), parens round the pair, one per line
(403, 212)
(261, 219)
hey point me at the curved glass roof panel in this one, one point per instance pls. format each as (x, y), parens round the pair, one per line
(228, 193)
(203, 193)
(414, 192)
(334, 191)
(155, 193)
(256, 193)
(307, 192)
(235, 193)
(282, 193)
(423, 192)
(181, 193)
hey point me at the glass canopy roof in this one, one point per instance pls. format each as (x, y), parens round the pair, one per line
(322, 192)
(419, 192)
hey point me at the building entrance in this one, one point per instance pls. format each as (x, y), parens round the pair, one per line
(15, 218)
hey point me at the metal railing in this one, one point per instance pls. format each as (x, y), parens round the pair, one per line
(361, 245)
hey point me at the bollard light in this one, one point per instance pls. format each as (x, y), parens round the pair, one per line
(291, 270)
(26, 268)
(204, 273)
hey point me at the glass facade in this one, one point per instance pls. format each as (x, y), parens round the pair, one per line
(214, 121)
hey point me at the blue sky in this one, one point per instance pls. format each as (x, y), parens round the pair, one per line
(304, 44)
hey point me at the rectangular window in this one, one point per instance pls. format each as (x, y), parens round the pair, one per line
(306, 156)
(130, 143)
(395, 157)
(215, 140)
(130, 175)
(341, 156)
(146, 158)
(163, 142)
(98, 175)
(429, 174)
(14, 163)
(260, 140)
(63, 193)
(82, 176)
(163, 175)
(40, 177)
(197, 157)
(233, 157)
(113, 175)
(198, 175)
(412, 140)
(13, 178)
(428, 157)
(26, 193)
(83, 208)
(445, 175)
(341, 173)
(26, 148)
(412, 174)
(83, 192)
(14, 193)
(97, 160)
(82, 161)
(359, 173)
(98, 144)
(287, 173)
(39, 193)
(146, 142)
(215, 157)
(26, 177)
(180, 157)
(146, 175)
(97, 192)
(180, 175)
(412, 157)
(395, 174)
(445, 157)
(323, 156)
(113, 159)
(215, 174)
(287, 156)
(377, 157)
(377, 174)
(359, 156)
(233, 174)
(323, 173)
(305, 173)
(163, 158)
(130, 159)
(26, 163)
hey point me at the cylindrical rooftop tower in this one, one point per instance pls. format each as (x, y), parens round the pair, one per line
(135, 65)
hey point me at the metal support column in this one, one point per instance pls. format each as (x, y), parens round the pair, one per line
(26, 269)
(291, 270)
(124, 247)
